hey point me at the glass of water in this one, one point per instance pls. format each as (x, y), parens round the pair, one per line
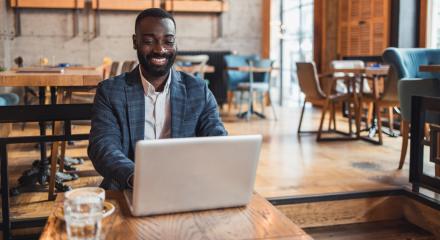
(83, 216)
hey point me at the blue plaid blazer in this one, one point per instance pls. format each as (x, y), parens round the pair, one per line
(119, 116)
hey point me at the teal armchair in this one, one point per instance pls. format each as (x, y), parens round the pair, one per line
(412, 82)
(234, 78)
(7, 99)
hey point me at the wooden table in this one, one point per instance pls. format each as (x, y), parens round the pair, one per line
(250, 69)
(194, 68)
(57, 81)
(382, 70)
(375, 73)
(259, 220)
(68, 78)
(429, 68)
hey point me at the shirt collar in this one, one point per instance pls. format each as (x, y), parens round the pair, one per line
(149, 88)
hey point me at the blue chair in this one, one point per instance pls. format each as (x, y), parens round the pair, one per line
(7, 99)
(412, 82)
(235, 77)
(261, 84)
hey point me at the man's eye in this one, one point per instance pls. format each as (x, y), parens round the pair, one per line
(148, 42)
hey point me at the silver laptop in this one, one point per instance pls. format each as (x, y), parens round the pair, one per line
(187, 174)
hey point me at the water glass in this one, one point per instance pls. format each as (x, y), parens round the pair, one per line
(83, 216)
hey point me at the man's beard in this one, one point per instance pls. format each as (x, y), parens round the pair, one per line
(153, 70)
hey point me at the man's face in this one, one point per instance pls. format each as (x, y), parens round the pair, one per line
(155, 44)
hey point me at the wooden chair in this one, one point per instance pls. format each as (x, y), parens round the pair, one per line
(380, 98)
(198, 61)
(35, 113)
(309, 84)
(127, 66)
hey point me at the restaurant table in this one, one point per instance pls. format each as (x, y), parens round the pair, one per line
(375, 73)
(194, 68)
(258, 220)
(55, 80)
(251, 70)
(429, 68)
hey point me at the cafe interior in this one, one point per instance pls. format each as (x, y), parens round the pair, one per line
(345, 94)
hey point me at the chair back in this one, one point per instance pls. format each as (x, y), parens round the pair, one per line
(114, 69)
(346, 64)
(410, 81)
(127, 66)
(308, 80)
(236, 77)
(390, 86)
(406, 61)
(262, 63)
(198, 61)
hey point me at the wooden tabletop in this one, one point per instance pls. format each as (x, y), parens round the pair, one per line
(250, 69)
(382, 70)
(429, 68)
(259, 220)
(195, 68)
(68, 78)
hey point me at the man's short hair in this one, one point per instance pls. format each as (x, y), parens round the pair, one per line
(153, 12)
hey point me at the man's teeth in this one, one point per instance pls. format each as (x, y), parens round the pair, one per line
(159, 60)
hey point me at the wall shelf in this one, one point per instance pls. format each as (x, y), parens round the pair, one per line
(208, 6)
(127, 5)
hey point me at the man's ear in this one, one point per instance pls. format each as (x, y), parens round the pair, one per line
(134, 42)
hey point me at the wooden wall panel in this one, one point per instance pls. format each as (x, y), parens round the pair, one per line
(128, 5)
(265, 28)
(363, 27)
(47, 3)
(423, 19)
(132, 5)
(196, 6)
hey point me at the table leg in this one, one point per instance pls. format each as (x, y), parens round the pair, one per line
(6, 224)
(39, 172)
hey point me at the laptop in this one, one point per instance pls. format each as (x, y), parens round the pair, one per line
(189, 174)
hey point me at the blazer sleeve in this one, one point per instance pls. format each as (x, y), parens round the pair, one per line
(209, 123)
(105, 148)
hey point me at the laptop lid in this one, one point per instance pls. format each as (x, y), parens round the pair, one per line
(187, 174)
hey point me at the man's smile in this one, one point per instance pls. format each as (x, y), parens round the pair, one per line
(160, 61)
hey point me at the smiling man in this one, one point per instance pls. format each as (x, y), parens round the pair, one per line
(153, 101)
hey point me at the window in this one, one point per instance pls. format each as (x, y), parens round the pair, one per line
(433, 28)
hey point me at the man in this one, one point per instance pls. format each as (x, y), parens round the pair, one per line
(151, 102)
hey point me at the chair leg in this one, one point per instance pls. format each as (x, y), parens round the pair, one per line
(262, 97)
(230, 98)
(273, 106)
(301, 117)
(241, 101)
(330, 118)
(405, 136)
(369, 114)
(62, 155)
(324, 110)
(358, 114)
(391, 118)
(334, 116)
(53, 170)
(350, 119)
(379, 122)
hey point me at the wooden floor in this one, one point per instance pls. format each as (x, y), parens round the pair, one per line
(289, 165)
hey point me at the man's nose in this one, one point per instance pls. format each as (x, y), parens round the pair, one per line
(159, 47)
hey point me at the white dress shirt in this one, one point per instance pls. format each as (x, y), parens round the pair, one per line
(157, 110)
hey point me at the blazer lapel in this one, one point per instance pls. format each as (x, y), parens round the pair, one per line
(134, 94)
(177, 102)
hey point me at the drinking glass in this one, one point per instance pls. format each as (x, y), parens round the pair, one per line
(83, 216)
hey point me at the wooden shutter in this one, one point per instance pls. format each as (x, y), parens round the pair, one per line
(363, 27)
